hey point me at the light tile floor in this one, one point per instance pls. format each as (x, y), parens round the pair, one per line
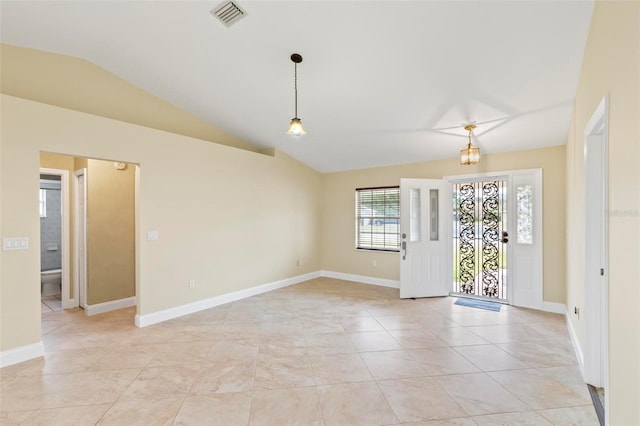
(50, 303)
(324, 352)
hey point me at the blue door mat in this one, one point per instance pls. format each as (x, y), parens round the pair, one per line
(479, 304)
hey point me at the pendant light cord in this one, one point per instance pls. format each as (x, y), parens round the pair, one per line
(295, 84)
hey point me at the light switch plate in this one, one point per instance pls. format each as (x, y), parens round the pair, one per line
(152, 236)
(15, 243)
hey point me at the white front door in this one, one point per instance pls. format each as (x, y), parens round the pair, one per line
(425, 244)
(525, 254)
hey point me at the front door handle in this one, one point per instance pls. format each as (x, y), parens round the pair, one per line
(404, 247)
(504, 239)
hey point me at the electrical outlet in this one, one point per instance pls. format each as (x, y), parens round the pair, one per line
(192, 284)
(374, 263)
(298, 263)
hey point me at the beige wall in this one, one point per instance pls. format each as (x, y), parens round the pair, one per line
(82, 86)
(611, 67)
(110, 232)
(228, 218)
(338, 225)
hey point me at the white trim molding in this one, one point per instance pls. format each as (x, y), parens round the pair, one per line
(200, 305)
(576, 344)
(190, 308)
(79, 225)
(553, 307)
(100, 308)
(361, 279)
(21, 354)
(596, 247)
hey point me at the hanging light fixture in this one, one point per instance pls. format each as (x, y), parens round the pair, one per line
(469, 155)
(295, 127)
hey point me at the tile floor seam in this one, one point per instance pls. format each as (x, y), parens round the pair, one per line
(428, 374)
(104, 414)
(507, 389)
(494, 346)
(324, 421)
(450, 394)
(542, 374)
(442, 389)
(173, 421)
(387, 401)
(118, 399)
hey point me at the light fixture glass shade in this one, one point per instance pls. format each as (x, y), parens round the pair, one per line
(295, 128)
(469, 155)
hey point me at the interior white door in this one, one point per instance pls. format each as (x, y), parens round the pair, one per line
(525, 241)
(425, 247)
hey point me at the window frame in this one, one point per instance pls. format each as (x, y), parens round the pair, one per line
(384, 217)
(43, 203)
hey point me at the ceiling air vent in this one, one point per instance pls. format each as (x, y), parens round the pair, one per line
(229, 12)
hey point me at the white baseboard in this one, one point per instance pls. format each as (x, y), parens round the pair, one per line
(556, 308)
(361, 279)
(575, 343)
(21, 354)
(69, 304)
(100, 308)
(190, 308)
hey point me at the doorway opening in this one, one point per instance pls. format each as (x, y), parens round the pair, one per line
(51, 242)
(54, 239)
(480, 237)
(596, 271)
(98, 262)
(497, 237)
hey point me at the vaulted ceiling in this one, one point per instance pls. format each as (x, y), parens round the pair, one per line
(381, 82)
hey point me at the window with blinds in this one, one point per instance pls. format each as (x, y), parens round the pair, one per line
(378, 218)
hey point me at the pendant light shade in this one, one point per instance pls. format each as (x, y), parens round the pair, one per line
(470, 155)
(295, 127)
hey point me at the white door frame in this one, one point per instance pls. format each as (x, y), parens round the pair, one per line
(80, 288)
(596, 277)
(535, 299)
(66, 300)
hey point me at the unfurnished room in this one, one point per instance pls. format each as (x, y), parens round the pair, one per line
(320, 212)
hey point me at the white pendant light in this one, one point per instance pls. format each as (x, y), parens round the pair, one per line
(295, 127)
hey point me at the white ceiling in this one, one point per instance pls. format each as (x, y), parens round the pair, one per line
(381, 83)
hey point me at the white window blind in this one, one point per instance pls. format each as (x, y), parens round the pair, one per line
(378, 218)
